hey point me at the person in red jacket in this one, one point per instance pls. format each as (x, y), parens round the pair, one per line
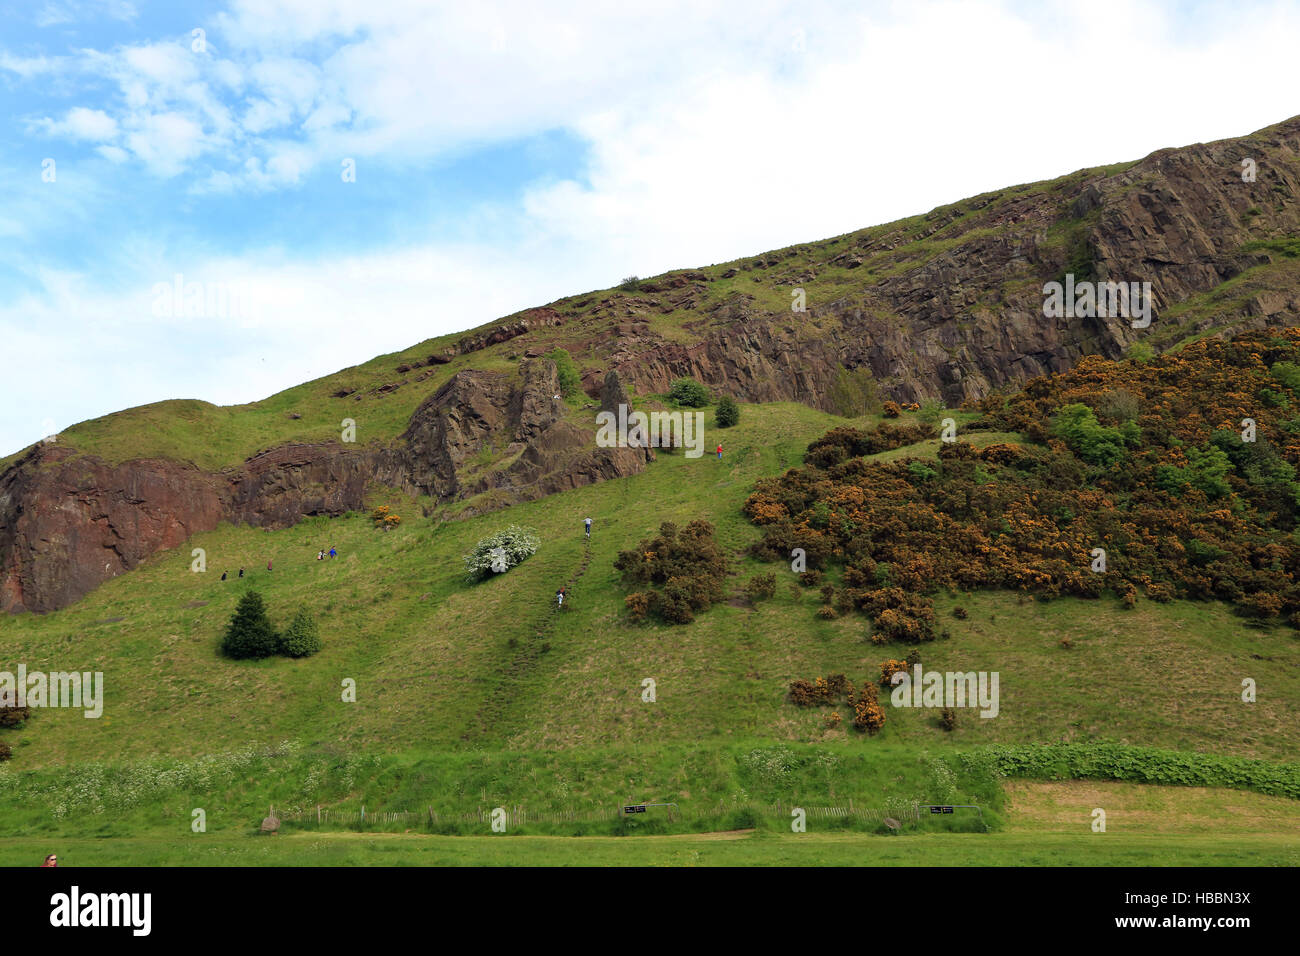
(719, 453)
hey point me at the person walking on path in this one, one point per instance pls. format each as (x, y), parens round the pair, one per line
(241, 572)
(333, 552)
(559, 598)
(719, 453)
(587, 522)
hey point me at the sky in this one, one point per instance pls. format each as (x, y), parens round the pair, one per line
(220, 201)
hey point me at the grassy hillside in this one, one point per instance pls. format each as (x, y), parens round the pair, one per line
(215, 437)
(440, 663)
(476, 696)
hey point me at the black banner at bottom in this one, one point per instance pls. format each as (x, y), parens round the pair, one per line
(215, 906)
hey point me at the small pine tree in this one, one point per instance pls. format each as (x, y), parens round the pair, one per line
(250, 633)
(302, 637)
(727, 413)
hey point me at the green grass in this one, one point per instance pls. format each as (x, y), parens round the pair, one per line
(440, 663)
(463, 706)
(760, 849)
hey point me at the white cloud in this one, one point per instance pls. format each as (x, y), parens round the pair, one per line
(713, 130)
(80, 123)
(165, 142)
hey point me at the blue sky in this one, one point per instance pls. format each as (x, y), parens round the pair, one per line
(506, 154)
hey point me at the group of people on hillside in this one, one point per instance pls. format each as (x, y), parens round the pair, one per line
(321, 555)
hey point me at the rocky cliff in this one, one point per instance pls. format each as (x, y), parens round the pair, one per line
(68, 521)
(949, 304)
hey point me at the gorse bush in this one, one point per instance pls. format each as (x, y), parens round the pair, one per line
(682, 572)
(688, 392)
(13, 716)
(761, 587)
(250, 634)
(500, 552)
(1195, 511)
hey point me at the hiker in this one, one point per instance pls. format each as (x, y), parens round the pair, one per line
(588, 524)
(223, 575)
(268, 565)
(333, 553)
(559, 597)
(320, 555)
(51, 860)
(241, 572)
(719, 453)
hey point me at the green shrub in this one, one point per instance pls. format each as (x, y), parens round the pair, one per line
(688, 392)
(302, 637)
(1288, 374)
(728, 412)
(250, 634)
(1096, 444)
(630, 284)
(931, 411)
(1141, 765)
(1141, 352)
(566, 371)
(1206, 470)
(516, 545)
(854, 393)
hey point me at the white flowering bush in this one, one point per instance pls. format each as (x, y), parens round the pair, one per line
(500, 552)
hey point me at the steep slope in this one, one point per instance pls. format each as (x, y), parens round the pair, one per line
(948, 304)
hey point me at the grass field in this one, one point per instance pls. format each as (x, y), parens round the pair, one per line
(470, 697)
(1146, 826)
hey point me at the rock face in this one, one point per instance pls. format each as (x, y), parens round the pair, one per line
(947, 305)
(69, 522)
(963, 314)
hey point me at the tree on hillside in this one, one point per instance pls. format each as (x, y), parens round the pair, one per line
(302, 637)
(727, 413)
(688, 392)
(250, 633)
